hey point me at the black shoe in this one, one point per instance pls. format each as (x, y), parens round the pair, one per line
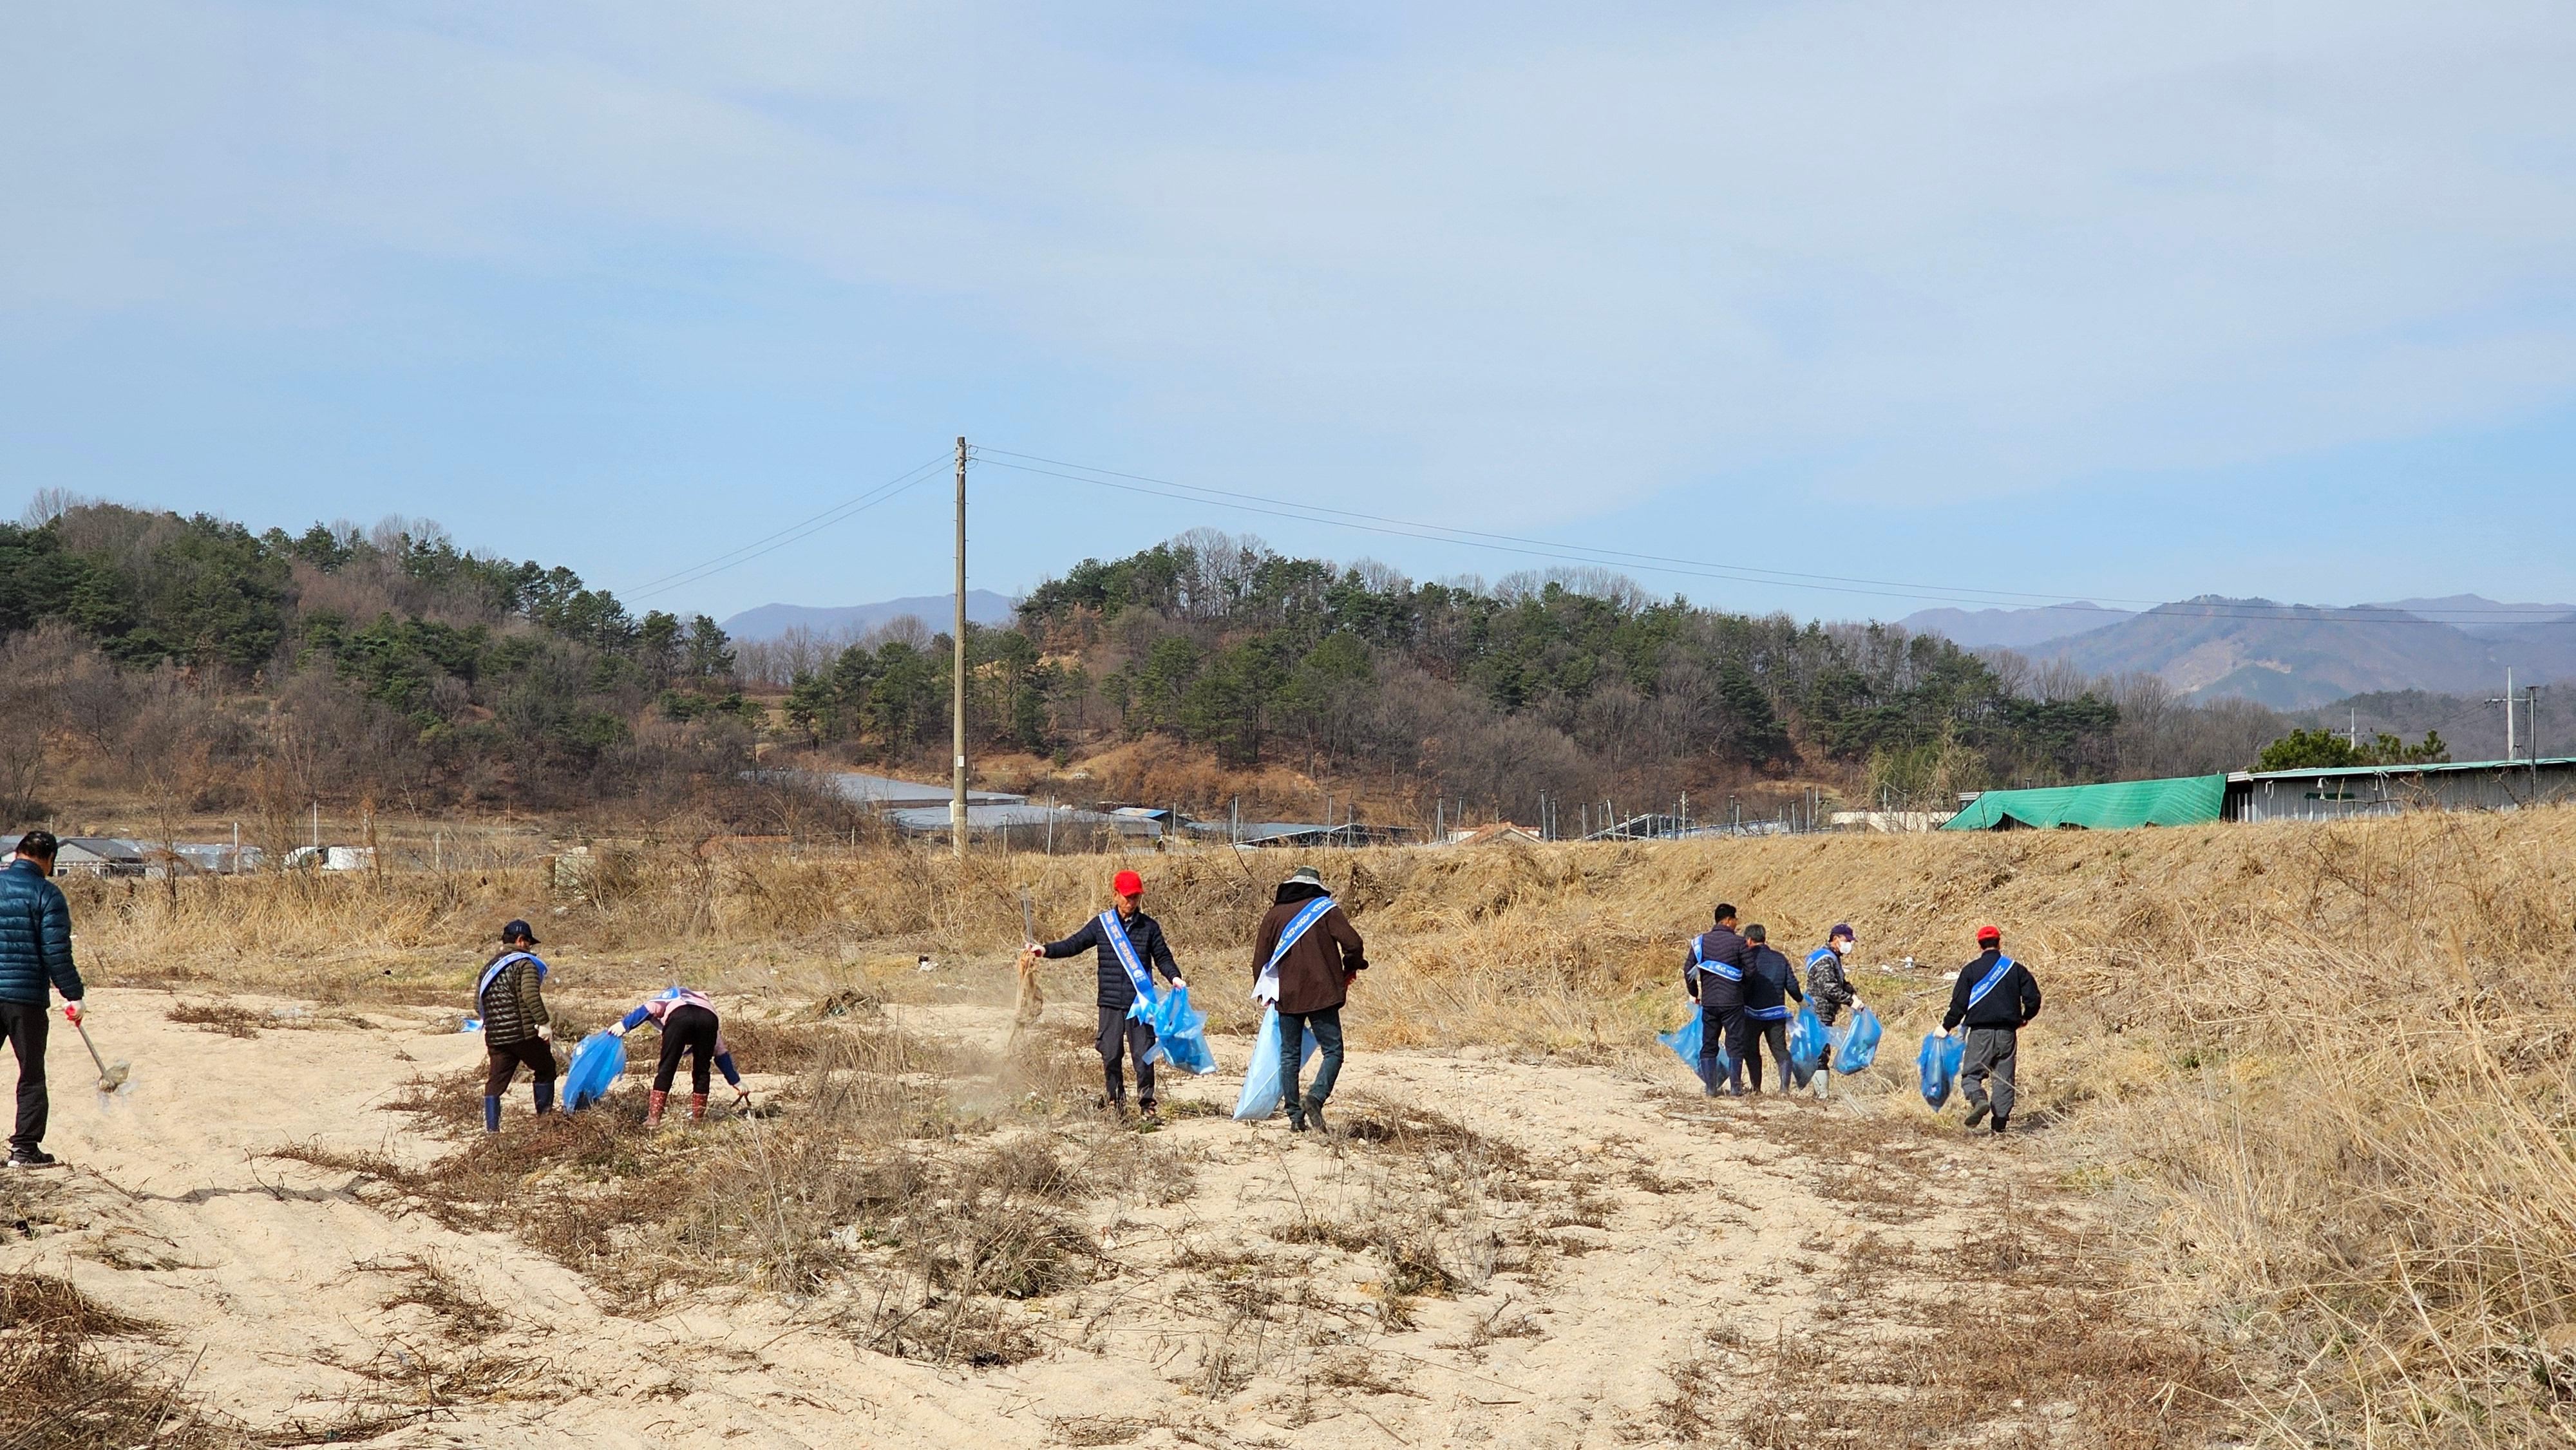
(1296, 1123)
(1999, 1125)
(32, 1158)
(1978, 1113)
(1315, 1115)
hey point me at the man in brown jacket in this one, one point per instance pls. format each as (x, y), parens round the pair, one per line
(1303, 962)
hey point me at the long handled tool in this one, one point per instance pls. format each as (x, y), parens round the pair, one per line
(109, 1078)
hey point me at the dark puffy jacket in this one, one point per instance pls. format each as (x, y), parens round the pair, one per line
(1769, 983)
(1153, 953)
(1718, 948)
(514, 1006)
(35, 937)
(2009, 1003)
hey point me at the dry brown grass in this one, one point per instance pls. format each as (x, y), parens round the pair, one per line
(2325, 1073)
(65, 1384)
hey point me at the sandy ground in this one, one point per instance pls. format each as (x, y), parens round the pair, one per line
(1658, 1220)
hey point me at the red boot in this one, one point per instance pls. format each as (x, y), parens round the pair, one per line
(697, 1107)
(653, 1110)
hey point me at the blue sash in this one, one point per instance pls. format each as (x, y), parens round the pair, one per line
(1699, 959)
(493, 971)
(1116, 930)
(1297, 925)
(1768, 1014)
(1816, 957)
(2003, 966)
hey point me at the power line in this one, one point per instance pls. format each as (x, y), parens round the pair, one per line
(1656, 563)
(793, 533)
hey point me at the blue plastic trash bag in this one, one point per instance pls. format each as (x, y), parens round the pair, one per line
(1686, 1042)
(1938, 1062)
(1180, 1031)
(1806, 1041)
(1261, 1089)
(1856, 1045)
(595, 1064)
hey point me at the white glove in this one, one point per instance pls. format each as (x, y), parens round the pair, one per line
(545, 1032)
(616, 1029)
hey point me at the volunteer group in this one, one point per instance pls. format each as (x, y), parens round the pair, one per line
(1306, 957)
(1744, 987)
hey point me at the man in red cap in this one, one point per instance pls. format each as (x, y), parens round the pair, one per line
(1127, 942)
(1994, 996)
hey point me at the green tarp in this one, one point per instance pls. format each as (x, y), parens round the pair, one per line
(2182, 801)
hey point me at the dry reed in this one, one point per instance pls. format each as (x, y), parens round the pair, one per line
(2326, 1071)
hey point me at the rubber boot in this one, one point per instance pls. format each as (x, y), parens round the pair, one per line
(653, 1108)
(545, 1098)
(491, 1115)
(697, 1107)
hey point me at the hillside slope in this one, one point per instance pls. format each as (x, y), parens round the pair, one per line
(2286, 656)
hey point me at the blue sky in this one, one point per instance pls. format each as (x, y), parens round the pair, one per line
(2117, 302)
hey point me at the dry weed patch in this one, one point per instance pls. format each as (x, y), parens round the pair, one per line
(64, 1384)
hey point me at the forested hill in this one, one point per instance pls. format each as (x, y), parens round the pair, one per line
(1573, 684)
(191, 656)
(210, 667)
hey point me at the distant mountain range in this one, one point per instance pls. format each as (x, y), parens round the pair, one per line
(2292, 657)
(2013, 628)
(769, 621)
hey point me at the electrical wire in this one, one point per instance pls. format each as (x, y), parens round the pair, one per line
(794, 533)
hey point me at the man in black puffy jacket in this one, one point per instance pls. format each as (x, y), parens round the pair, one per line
(35, 961)
(1994, 996)
(1770, 985)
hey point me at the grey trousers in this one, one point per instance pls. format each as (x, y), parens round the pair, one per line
(1122, 1036)
(1293, 1026)
(1991, 1052)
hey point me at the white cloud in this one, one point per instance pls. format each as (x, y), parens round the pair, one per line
(1902, 252)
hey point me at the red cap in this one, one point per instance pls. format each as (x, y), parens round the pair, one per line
(1128, 883)
(1988, 933)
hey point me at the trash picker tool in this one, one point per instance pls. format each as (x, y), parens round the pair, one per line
(109, 1078)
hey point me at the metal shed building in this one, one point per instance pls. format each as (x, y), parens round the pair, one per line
(2327, 794)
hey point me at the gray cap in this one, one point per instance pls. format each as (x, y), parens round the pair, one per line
(1303, 876)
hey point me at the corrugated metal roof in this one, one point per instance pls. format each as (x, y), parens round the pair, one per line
(2312, 772)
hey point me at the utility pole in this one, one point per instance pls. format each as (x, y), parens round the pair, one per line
(957, 702)
(2507, 702)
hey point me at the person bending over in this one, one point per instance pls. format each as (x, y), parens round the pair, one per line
(689, 1025)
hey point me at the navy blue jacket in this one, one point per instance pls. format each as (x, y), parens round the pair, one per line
(1769, 984)
(1719, 947)
(1144, 933)
(35, 937)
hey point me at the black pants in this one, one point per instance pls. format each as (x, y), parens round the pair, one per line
(1716, 1030)
(1748, 1035)
(691, 1030)
(1122, 1036)
(538, 1055)
(25, 1024)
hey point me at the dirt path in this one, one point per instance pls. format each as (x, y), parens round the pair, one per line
(1614, 1232)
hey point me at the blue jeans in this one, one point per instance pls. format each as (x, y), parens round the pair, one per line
(1293, 1027)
